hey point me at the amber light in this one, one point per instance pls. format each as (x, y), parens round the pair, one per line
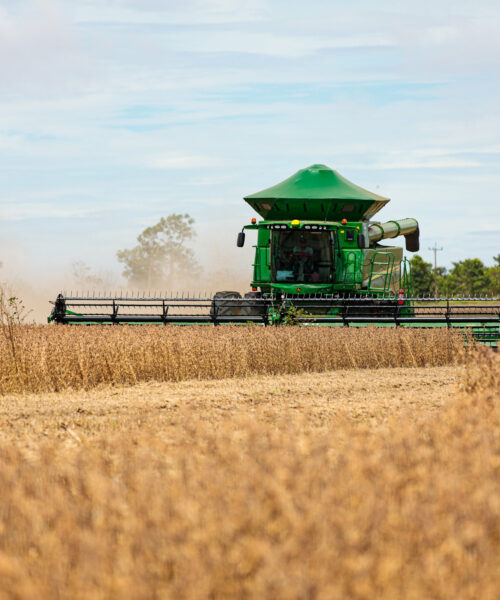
(344, 221)
(254, 220)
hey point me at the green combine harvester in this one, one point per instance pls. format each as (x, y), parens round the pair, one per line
(318, 261)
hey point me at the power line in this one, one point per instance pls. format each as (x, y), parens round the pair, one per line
(435, 250)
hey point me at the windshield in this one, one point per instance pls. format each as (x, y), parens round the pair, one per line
(302, 256)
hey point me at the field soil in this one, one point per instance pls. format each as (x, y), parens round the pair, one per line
(370, 396)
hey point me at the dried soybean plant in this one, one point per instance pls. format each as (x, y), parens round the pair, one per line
(13, 314)
(259, 509)
(57, 357)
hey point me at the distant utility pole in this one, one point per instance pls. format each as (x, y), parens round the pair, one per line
(435, 250)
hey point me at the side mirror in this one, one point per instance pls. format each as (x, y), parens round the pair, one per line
(361, 241)
(240, 240)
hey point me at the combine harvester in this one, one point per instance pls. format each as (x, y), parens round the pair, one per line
(317, 262)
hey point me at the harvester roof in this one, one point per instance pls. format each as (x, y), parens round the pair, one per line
(316, 192)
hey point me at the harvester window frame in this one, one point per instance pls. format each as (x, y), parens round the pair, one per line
(330, 245)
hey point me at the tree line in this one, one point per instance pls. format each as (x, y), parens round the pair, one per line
(469, 277)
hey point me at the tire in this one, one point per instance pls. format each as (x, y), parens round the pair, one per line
(253, 307)
(222, 306)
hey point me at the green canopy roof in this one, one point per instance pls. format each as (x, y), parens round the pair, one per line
(316, 192)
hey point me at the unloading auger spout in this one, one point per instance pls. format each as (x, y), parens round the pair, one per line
(318, 261)
(392, 229)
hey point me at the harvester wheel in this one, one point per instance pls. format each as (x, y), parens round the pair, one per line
(222, 306)
(253, 307)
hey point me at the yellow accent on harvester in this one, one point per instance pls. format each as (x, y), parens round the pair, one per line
(295, 222)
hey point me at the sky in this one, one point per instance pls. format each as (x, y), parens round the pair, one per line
(114, 114)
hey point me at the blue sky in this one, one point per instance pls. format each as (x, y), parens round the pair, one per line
(115, 114)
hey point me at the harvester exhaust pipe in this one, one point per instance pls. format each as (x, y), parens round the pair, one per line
(392, 229)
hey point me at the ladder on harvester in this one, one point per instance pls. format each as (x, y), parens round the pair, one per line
(406, 278)
(406, 288)
(380, 279)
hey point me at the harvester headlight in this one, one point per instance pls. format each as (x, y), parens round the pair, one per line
(295, 223)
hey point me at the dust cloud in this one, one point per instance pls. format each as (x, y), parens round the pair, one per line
(223, 267)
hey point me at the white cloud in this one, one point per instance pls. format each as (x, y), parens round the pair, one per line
(488, 149)
(11, 210)
(275, 44)
(440, 34)
(171, 161)
(423, 164)
(40, 51)
(187, 12)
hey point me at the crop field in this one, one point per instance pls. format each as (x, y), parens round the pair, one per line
(232, 462)
(53, 358)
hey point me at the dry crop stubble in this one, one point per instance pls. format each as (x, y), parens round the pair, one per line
(277, 507)
(372, 397)
(54, 358)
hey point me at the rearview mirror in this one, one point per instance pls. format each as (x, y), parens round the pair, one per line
(240, 240)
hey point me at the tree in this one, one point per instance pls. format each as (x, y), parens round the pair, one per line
(442, 282)
(468, 277)
(161, 255)
(423, 279)
(494, 274)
